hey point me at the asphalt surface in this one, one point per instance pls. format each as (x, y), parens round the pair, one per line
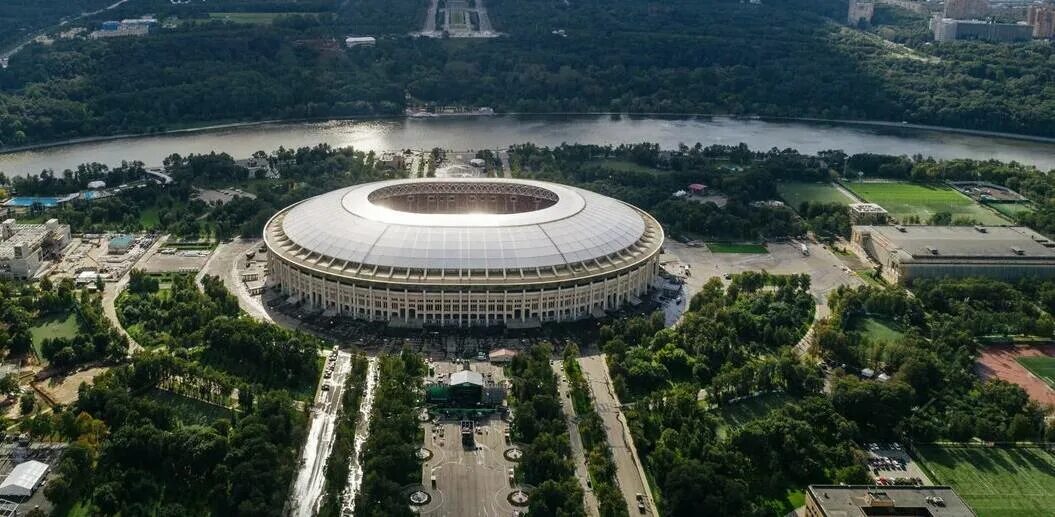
(310, 482)
(112, 290)
(362, 430)
(577, 451)
(629, 472)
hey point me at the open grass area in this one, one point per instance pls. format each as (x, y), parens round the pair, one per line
(190, 411)
(1041, 366)
(738, 413)
(732, 247)
(53, 326)
(150, 218)
(794, 193)
(878, 330)
(1012, 482)
(253, 18)
(1012, 210)
(903, 200)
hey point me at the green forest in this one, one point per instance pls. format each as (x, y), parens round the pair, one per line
(780, 58)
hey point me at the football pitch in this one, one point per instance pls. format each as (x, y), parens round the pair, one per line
(904, 200)
(794, 193)
(995, 482)
(1041, 366)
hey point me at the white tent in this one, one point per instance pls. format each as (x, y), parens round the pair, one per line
(23, 479)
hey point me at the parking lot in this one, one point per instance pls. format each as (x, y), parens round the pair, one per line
(891, 464)
(470, 480)
(695, 265)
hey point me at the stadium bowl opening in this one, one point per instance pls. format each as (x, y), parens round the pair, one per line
(463, 252)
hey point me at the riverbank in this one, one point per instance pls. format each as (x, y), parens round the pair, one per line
(498, 132)
(205, 128)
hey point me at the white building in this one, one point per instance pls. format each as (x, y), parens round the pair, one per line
(464, 252)
(25, 247)
(24, 479)
(360, 41)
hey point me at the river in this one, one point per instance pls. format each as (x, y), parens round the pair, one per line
(494, 132)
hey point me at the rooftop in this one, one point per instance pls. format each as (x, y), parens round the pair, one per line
(464, 225)
(892, 501)
(964, 242)
(867, 208)
(23, 479)
(29, 236)
(467, 377)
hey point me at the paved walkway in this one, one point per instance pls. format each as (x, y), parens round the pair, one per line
(112, 291)
(630, 474)
(578, 456)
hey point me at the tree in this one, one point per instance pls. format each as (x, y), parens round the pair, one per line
(26, 403)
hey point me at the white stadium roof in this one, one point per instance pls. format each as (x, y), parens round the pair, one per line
(23, 479)
(580, 226)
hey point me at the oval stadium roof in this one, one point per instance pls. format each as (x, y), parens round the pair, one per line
(580, 226)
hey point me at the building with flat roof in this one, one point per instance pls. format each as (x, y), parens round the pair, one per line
(948, 29)
(895, 501)
(120, 244)
(867, 213)
(906, 253)
(25, 247)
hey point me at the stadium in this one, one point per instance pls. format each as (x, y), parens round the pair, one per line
(463, 252)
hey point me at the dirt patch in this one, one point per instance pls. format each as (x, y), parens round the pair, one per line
(63, 390)
(1000, 362)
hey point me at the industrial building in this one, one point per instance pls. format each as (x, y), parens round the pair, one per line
(25, 247)
(906, 253)
(869, 500)
(948, 29)
(463, 252)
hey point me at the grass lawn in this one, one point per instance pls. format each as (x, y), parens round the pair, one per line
(190, 411)
(1012, 210)
(56, 325)
(253, 18)
(794, 193)
(907, 199)
(150, 218)
(878, 330)
(739, 413)
(1042, 367)
(996, 482)
(732, 247)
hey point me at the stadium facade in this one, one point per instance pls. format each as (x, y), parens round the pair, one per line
(464, 252)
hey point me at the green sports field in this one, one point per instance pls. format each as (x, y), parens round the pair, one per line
(1013, 482)
(1012, 210)
(794, 193)
(1041, 366)
(878, 330)
(907, 199)
(732, 247)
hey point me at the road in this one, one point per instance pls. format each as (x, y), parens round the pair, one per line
(629, 472)
(310, 481)
(112, 290)
(225, 262)
(362, 430)
(578, 456)
(6, 55)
